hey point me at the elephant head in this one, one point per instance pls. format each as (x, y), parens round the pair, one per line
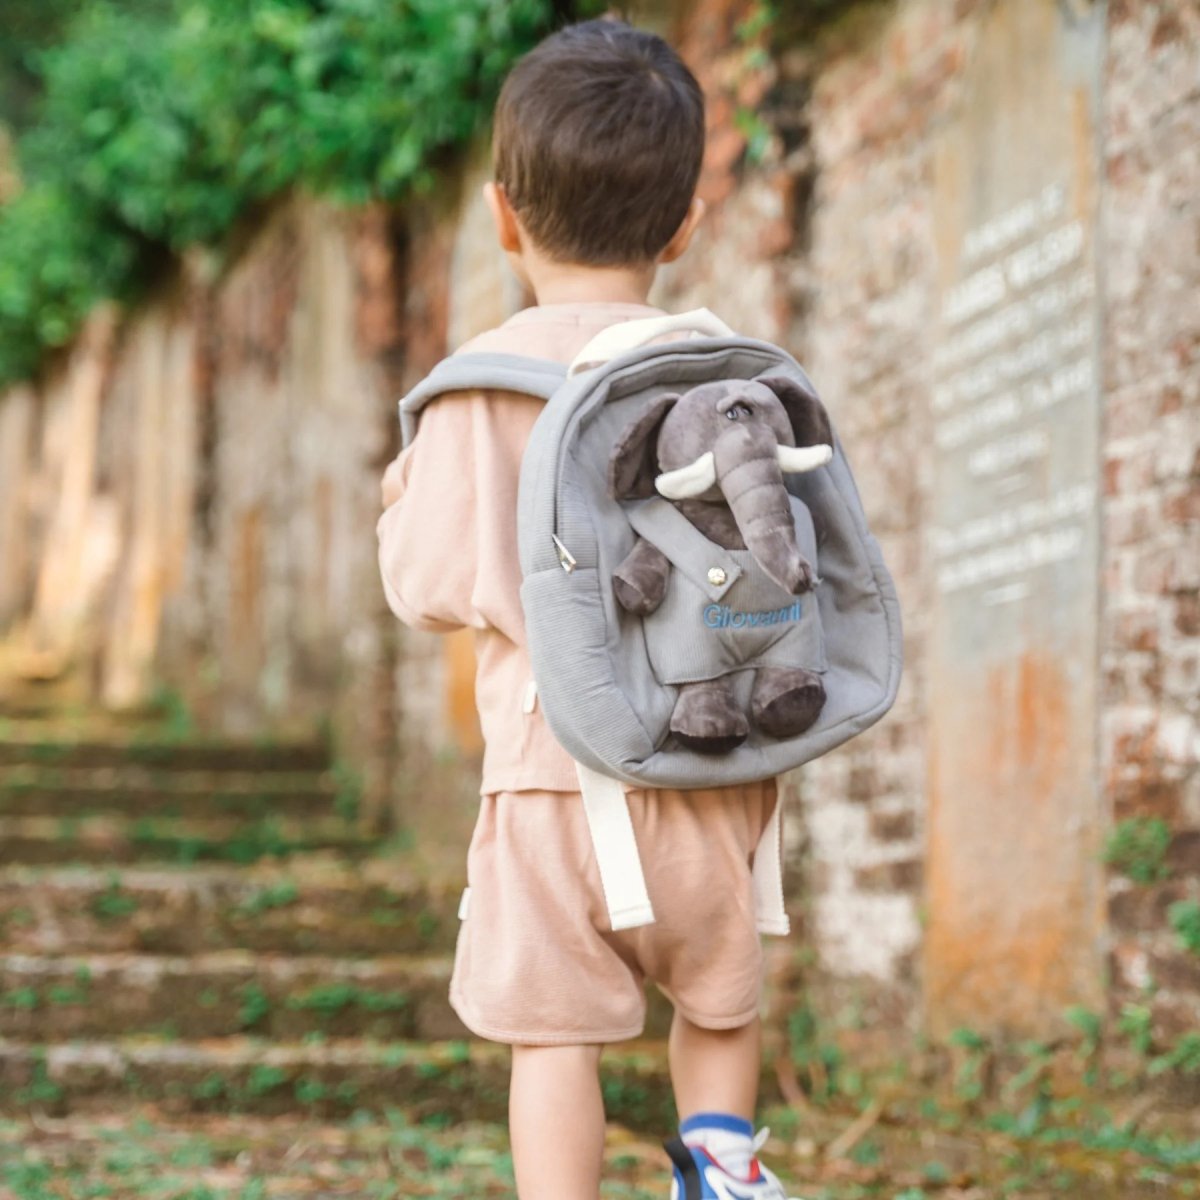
(725, 447)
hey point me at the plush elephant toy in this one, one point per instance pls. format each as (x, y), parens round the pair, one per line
(718, 566)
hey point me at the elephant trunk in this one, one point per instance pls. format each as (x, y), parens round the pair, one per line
(751, 479)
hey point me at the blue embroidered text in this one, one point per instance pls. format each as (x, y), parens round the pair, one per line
(721, 616)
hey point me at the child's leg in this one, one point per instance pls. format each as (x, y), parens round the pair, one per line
(556, 1122)
(715, 1070)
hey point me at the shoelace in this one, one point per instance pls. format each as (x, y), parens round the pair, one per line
(760, 1140)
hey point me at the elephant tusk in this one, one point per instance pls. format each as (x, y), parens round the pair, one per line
(693, 480)
(795, 459)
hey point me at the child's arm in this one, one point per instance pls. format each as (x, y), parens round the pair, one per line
(448, 536)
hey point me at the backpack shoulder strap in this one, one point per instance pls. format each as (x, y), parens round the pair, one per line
(471, 372)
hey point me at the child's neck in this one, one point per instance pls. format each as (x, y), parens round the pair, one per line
(570, 283)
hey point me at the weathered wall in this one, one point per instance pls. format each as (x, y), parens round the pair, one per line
(832, 245)
(189, 497)
(880, 107)
(1150, 731)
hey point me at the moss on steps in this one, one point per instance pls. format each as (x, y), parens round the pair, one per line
(442, 1081)
(308, 905)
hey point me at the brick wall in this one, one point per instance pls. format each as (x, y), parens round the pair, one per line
(829, 245)
(1150, 735)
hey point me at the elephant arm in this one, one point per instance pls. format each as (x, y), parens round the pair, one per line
(640, 582)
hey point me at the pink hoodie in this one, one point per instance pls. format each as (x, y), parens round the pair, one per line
(448, 538)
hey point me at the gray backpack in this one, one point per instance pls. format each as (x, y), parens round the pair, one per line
(669, 648)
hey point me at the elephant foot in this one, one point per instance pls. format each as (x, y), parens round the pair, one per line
(786, 700)
(707, 719)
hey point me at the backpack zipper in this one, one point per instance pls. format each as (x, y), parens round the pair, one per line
(565, 558)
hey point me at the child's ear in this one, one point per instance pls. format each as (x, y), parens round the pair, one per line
(507, 232)
(683, 235)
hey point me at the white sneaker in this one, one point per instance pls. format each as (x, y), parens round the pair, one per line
(698, 1176)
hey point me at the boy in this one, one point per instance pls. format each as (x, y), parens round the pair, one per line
(599, 135)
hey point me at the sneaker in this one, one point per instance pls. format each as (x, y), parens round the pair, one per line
(698, 1176)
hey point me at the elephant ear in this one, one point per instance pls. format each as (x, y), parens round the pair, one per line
(633, 466)
(807, 415)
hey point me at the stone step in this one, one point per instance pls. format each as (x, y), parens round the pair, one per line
(311, 904)
(224, 994)
(144, 1153)
(32, 743)
(136, 791)
(229, 993)
(432, 1081)
(111, 839)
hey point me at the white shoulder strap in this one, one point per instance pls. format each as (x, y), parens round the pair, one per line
(616, 850)
(620, 865)
(769, 905)
(629, 335)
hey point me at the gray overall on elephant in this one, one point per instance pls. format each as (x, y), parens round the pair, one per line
(733, 614)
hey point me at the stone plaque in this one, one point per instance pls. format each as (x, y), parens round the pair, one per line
(1014, 875)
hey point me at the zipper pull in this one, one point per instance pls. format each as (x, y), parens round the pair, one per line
(565, 557)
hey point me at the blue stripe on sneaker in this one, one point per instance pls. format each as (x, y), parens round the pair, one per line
(722, 1121)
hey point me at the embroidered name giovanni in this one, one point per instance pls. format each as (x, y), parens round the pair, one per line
(721, 616)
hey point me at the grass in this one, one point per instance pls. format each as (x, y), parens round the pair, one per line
(113, 904)
(395, 1157)
(1184, 918)
(328, 1000)
(1137, 848)
(276, 895)
(1071, 1147)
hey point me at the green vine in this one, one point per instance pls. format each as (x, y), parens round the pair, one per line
(161, 125)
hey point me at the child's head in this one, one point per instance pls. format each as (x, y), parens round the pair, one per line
(599, 136)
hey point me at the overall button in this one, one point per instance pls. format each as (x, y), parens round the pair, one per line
(716, 576)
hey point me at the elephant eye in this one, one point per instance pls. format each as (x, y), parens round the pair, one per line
(737, 410)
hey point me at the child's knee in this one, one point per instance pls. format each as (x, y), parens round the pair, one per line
(557, 1058)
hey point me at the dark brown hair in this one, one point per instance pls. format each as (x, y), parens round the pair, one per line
(599, 134)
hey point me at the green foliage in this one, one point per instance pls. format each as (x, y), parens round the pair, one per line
(970, 1077)
(264, 1078)
(29, 27)
(327, 1000)
(274, 895)
(178, 722)
(113, 903)
(1184, 916)
(1090, 1024)
(255, 1007)
(348, 785)
(1091, 1028)
(56, 263)
(1137, 1024)
(162, 124)
(1137, 847)
(819, 1061)
(78, 992)
(1184, 1056)
(41, 1089)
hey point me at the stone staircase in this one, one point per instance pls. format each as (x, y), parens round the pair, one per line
(204, 928)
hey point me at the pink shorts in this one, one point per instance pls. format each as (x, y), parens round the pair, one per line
(537, 961)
